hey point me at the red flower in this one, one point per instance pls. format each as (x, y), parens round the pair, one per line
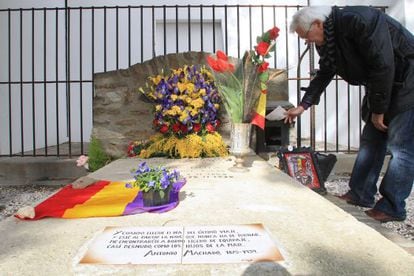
(273, 33)
(184, 129)
(176, 127)
(220, 64)
(218, 123)
(164, 129)
(262, 47)
(155, 122)
(210, 127)
(221, 55)
(263, 67)
(196, 127)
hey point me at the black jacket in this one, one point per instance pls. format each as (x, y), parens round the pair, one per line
(374, 50)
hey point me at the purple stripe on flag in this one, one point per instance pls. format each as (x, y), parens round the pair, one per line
(137, 205)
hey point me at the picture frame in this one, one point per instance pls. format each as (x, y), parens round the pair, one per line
(302, 165)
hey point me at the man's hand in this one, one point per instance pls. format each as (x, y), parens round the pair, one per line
(378, 122)
(292, 113)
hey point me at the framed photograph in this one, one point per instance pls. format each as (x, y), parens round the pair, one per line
(302, 165)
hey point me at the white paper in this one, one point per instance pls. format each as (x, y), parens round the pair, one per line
(277, 114)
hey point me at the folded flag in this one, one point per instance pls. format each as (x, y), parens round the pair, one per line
(101, 199)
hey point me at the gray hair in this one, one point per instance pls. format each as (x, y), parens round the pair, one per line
(305, 17)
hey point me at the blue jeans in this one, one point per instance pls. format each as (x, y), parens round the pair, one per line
(398, 180)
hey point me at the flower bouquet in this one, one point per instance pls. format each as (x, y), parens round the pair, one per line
(242, 87)
(186, 107)
(243, 82)
(155, 183)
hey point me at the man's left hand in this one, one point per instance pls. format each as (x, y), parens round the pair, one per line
(378, 122)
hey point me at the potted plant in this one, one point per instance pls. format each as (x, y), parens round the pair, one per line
(155, 183)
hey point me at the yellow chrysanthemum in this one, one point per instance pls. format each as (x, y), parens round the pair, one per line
(174, 97)
(158, 107)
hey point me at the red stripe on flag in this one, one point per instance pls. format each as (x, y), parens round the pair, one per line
(258, 120)
(67, 198)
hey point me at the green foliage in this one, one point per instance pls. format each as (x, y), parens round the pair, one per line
(97, 156)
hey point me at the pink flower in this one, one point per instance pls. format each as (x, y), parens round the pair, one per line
(82, 161)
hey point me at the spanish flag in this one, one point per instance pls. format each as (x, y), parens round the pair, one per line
(101, 199)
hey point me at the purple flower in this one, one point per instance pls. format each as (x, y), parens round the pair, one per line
(128, 185)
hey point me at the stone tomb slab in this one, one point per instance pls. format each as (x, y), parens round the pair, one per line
(315, 236)
(182, 245)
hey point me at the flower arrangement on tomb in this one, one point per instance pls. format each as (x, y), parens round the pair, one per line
(244, 101)
(186, 110)
(155, 183)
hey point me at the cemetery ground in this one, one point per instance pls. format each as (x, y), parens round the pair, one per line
(14, 197)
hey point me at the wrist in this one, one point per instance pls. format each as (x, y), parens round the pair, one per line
(304, 105)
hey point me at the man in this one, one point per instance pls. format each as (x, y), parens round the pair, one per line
(367, 47)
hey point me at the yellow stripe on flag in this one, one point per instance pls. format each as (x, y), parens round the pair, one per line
(110, 201)
(261, 105)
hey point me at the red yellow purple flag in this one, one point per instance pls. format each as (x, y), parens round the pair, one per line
(101, 199)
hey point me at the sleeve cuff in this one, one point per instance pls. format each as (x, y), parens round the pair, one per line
(305, 105)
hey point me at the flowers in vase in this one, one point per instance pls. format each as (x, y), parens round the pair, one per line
(242, 82)
(157, 179)
(186, 116)
(185, 102)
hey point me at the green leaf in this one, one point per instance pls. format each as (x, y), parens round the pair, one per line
(162, 193)
(264, 76)
(266, 37)
(263, 86)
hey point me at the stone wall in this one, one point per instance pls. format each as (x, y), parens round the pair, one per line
(121, 114)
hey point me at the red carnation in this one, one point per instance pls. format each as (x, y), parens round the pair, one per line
(263, 67)
(164, 129)
(273, 33)
(262, 47)
(210, 127)
(196, 128)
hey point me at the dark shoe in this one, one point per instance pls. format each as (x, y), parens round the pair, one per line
(382, 217)
(350, 200)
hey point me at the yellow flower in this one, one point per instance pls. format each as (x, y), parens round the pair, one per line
(174, 97)
(181, 87)
(190, 87)
(202, 92)
(156, 80)
(158, 107)
(183, 117)
(198, 103)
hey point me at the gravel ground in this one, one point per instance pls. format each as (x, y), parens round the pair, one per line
(338, 185)
(14, 197)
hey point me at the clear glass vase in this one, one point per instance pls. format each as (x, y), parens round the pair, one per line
(240, 144)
